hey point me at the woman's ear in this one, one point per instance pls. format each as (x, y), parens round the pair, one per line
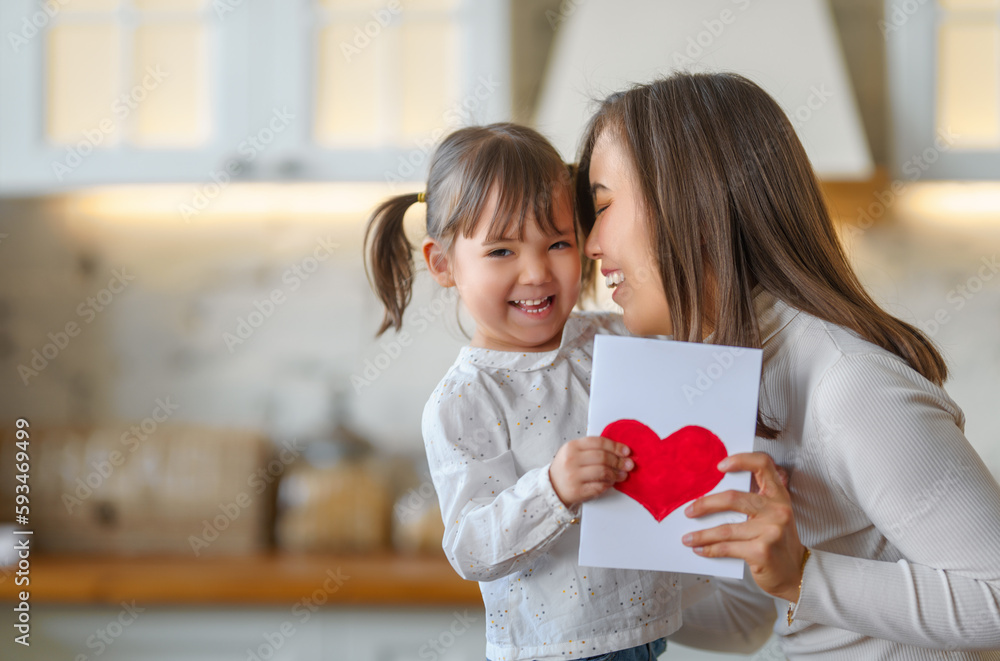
(437, 262)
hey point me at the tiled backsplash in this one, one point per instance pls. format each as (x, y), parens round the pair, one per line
(248, 324)
(258, 323)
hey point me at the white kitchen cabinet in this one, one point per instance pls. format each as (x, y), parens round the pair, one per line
(944, 87)
(100, 91)
(131, 91)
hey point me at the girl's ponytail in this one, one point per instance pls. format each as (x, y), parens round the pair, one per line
(389, 259)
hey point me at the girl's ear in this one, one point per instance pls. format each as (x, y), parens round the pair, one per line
(437, 262)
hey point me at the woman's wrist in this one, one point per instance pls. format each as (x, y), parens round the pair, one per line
(797, 593)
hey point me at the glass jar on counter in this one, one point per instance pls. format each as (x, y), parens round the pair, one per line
(337, 498)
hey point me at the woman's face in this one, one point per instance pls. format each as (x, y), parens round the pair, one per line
(620, 239)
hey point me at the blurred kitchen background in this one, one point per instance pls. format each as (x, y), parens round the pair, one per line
(216, 435)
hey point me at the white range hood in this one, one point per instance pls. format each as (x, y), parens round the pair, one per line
(789, 47)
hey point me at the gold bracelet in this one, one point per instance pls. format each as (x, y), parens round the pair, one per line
(805, 556)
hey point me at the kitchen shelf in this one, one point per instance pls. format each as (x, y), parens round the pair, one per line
(381, 580)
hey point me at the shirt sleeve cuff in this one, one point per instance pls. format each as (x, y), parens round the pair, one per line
(563, 514)
(812, 579)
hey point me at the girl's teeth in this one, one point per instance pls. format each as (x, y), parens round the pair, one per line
(534, 306)
(614, 279)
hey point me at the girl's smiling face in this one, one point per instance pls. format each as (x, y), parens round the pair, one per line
(520, 291)
(620, 239)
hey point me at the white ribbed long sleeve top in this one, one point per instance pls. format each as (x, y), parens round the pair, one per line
(901, 514)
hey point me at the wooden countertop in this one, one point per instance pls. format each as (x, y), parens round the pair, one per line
(265, 579)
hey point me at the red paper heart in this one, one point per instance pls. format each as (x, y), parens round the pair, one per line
(671, 471)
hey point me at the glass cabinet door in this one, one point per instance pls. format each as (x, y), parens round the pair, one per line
(374, 84)
(123, 91)
(944, 75)
(109, 91)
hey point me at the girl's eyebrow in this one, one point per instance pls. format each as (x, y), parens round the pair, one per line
(502, 239)
(505, 239)
(598, 185)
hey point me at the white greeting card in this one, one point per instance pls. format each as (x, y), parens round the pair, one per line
(682, 407)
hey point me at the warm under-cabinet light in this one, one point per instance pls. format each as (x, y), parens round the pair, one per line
(952, 202)
(206, 202)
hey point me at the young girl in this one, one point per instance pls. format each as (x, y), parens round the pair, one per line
(503, 428)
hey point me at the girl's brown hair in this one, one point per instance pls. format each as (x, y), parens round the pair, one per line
(523, 167)
(729, 191)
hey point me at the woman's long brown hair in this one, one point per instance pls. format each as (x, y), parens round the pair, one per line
(727, 187)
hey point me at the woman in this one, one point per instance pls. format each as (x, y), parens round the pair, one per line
(711, 227)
